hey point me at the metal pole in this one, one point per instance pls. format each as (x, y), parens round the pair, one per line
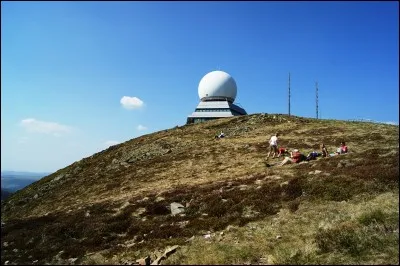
(289, 93)
(316, 99)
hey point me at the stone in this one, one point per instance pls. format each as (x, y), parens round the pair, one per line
(259, 182)
(144, 261)
(124, 164)
(72, 260)
(278, 237)
(58, 177)
(114, 161)
(317, 171)
(243, 187)
(189, 239)
(5, 244)
(284, 183)
(158, 199)
(177, 208)
(171, 250)
(36, 196)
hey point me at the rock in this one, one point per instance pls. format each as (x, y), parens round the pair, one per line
(72, 260)
(207, 236)
(158, 199)
(171, 250)
(144, 199)
(177, 208)
(243, 187)
(87, 214)
(5, 244)
(259, 182)
(139, 212)
(317, 171)
(57, 178)
(278, 237)
(144, 261)
(230, 228)
(125, 164)
(6, 262)
(131, 160)
(36, 196)
(286, 183)
(189, 239)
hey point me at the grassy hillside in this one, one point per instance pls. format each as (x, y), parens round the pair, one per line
(112, 207)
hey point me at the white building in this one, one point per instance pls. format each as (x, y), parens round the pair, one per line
(217, 92)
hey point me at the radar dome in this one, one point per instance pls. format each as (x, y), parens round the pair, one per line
(217, 85)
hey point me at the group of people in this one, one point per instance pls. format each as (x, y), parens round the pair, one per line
(296, 156)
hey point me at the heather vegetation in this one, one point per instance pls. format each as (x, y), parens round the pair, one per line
(114, 206)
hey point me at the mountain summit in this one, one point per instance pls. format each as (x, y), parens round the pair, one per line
(219, 200)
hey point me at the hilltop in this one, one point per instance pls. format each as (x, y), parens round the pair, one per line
(113, 207)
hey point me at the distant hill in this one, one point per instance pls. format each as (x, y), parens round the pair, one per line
(24, 174)
(114, 207)
(13, 180)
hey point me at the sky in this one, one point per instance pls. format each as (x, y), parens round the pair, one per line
(77, 77)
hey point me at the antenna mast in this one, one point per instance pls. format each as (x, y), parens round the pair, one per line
(316, 98)
(289, 93)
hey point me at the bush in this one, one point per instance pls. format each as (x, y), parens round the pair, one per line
(374, 216)
(342, 238)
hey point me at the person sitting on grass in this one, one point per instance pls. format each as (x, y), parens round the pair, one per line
(342, 149)
(282, 151)
(295, 157)
(312, 156)
(324, 151)
(220, 136)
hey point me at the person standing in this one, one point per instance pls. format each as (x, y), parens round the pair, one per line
(273, 146)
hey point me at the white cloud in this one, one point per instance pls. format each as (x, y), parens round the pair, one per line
(141, 128)
(109, 143)
(131, 102)
(33, 125)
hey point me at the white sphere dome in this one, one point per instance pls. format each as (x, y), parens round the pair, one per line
(217, 84)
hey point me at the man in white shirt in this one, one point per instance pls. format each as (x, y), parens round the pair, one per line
(273, 146)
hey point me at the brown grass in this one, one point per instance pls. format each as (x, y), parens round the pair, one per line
(224, 182)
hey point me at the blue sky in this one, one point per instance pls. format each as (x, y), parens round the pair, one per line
(66, 66)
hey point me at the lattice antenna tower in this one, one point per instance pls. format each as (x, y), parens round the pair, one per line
(316, 97)
(289, 93)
